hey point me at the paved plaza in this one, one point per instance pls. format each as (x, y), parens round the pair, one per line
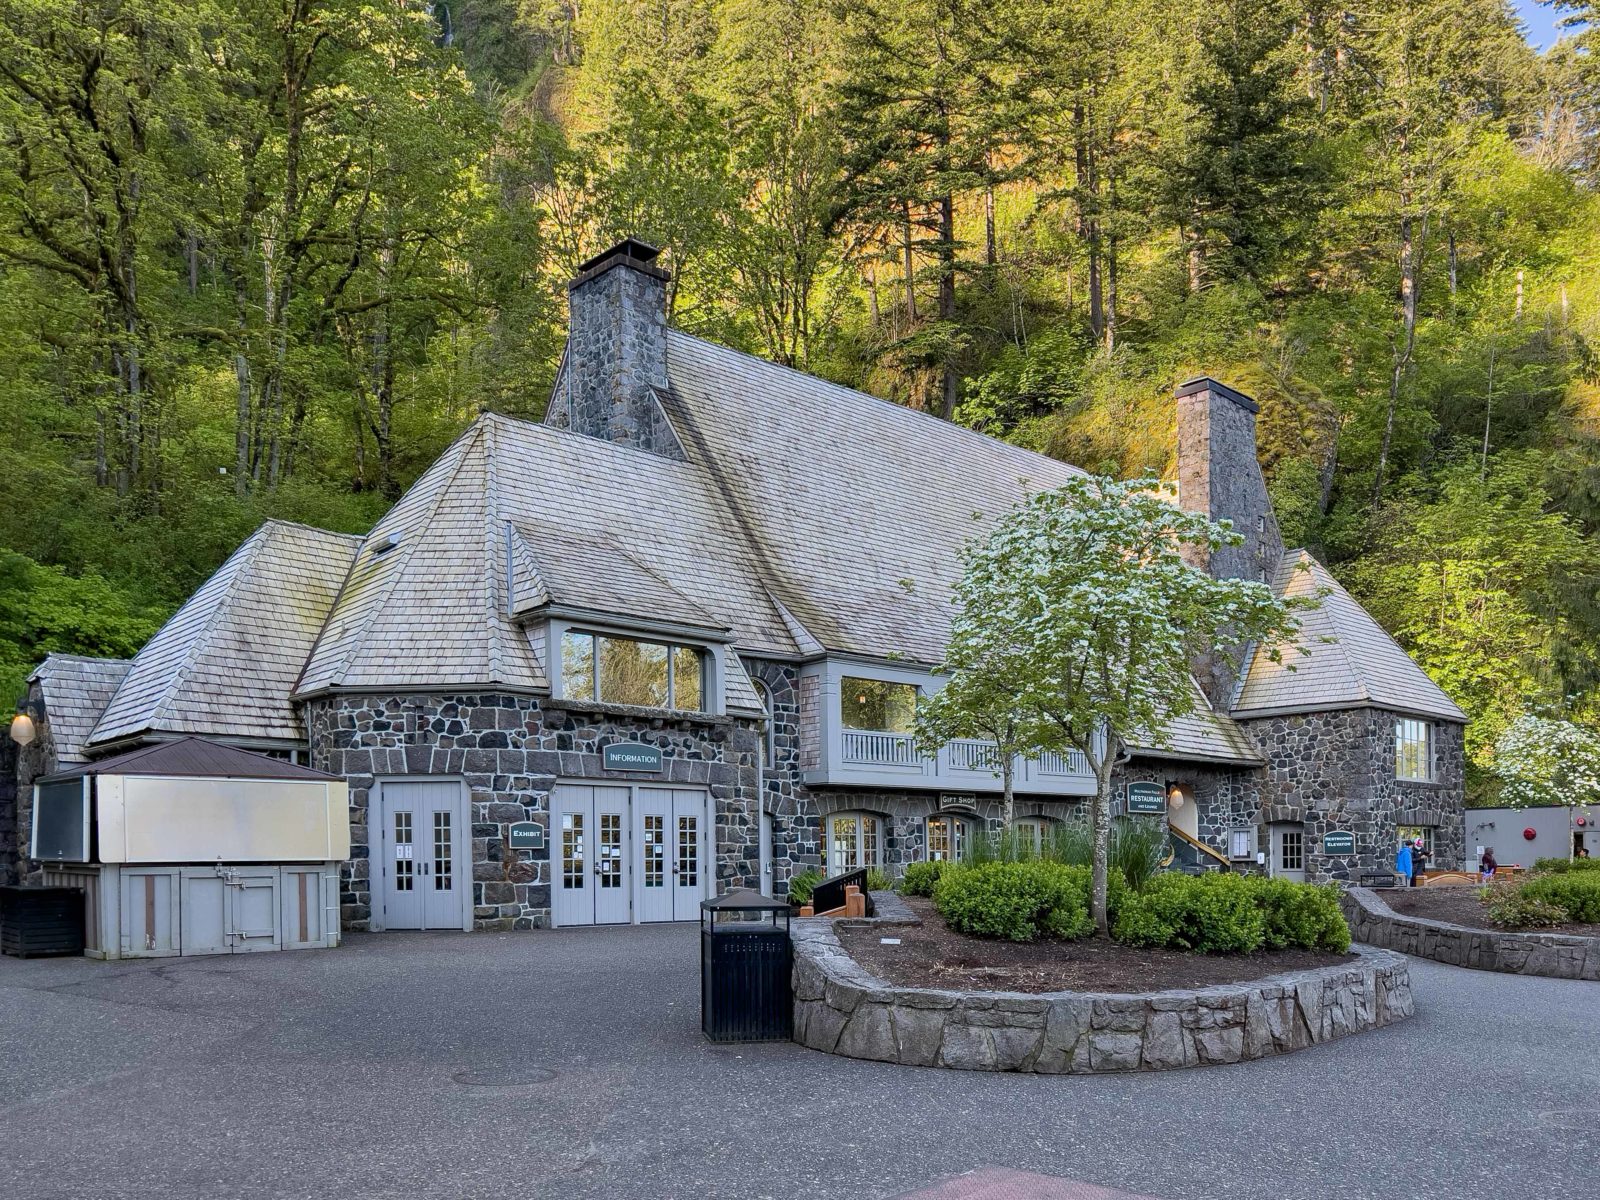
(570, 1064)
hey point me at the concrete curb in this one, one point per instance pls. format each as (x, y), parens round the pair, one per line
(1554, 955)
(841, 1008)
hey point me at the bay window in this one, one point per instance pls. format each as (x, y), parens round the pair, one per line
(620, 670)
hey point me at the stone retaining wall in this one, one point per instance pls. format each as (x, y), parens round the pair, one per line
(1560, 956)
(843, 1009)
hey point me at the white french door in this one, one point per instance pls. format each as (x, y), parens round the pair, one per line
(623, 853)
(589, 855)
(422, 882)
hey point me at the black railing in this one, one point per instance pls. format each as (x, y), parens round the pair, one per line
(829, 894)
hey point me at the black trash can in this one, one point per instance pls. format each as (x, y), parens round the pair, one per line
(746, 994)
(36, 921)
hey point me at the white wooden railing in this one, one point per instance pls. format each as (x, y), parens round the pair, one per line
(1070, 763)
(879, 749)
(971, 754)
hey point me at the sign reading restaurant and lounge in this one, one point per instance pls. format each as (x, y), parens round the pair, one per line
(1147, 798)
(630, 756)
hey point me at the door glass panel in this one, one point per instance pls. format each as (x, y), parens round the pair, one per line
(441, 852)
(610, 867)
(572, 850)
(655, 852)
(403, 863)
(844, 843)
(1292, 850)
(688, 852)
(869, 842)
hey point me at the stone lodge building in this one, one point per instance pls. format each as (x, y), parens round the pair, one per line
(671, 641)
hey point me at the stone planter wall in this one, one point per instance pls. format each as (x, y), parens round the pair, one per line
(843, 1009)
(1559, 956)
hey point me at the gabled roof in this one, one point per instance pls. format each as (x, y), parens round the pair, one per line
(226, 662)
(194, 758)
(1352, 662)
(76, 691)
(1201, 734)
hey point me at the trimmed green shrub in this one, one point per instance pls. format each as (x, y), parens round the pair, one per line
(920, 877)
(1213, 913)
(1565, 866)
(1577, 894)
(1509, 908)
(1304, 915)
(802, 884)
(1017, 901)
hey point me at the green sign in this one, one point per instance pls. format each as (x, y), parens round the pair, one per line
(1150, 798)
(527, 835)
(630, 756)
(1338, 841)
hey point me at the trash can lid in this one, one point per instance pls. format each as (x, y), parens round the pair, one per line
(744, 900)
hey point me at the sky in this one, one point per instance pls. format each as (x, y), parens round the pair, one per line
(1540, 21)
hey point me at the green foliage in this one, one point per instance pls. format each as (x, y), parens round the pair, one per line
(1563, 866)
(802, 884)
(1018, 901)
(878, 880)
(1301, 915)
(1511, 907)
(1577, 894)
(1212, 914)
(1136, 850)
(920, 878)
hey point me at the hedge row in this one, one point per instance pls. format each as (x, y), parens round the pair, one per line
(1212, 913)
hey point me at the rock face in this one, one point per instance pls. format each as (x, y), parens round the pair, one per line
(843, 1009)
(1558, 956)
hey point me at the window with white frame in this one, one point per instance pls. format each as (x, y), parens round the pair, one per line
(878, 705)
(1410, 833)
(769, 734)
(1033, 833)
(854, 840)
(1413, 751)
(620, 670)
(948, 837)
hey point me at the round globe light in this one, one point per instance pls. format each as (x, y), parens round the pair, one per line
(22, 730)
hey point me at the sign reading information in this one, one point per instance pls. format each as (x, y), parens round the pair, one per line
(630, 756)
(1338, 841)
(1150, 798)
(527, 835)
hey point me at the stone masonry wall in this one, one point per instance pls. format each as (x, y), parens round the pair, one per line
(1559, 956)
(1335, 771)
(841, 1008)
(511, 750)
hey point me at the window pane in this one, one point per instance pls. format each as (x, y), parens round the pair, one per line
(938, 839)
(869, 842)
(878, 705)
(633, 672)
(577, 666)
(842, 844)
(1412, 759)
(688, 675)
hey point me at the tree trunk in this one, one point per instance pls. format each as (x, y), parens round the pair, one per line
(1008, 770)
(1111, 294)
(911, 277)
(990, 255)
(1488, 412)
(1408, 341)
(947, 297)
(1100, 835)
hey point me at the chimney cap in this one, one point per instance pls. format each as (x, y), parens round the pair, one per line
(629, 252)
(1204, 383)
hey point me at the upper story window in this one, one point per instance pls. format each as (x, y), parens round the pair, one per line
(878, 705)
(1413, 751)
(619, 670)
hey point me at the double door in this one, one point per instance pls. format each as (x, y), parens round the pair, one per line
(422, 878)
(625, 853)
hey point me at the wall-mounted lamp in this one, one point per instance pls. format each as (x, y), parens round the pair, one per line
(1174, 797)
(25, 725)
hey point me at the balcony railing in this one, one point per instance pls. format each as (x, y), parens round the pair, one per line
(1070, 763)
(879, 749)
(971, 754)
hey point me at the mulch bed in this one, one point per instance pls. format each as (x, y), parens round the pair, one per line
(1461, 906)
(932, 955)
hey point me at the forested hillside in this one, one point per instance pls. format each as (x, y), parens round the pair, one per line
(264, 258)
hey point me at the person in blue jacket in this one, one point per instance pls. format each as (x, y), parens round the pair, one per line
(1402, 863)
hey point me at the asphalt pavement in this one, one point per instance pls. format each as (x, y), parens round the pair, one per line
(570, 1064)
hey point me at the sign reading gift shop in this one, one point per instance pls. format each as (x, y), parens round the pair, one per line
(1338, 842)
(1147, 798)
(526, 835)
(630, 756)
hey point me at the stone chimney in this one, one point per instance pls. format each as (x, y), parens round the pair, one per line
(616, 362)
(1219, 475)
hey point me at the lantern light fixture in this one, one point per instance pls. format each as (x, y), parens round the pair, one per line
(25, 724)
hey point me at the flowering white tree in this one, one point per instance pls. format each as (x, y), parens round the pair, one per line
(1077, 618)
(1543, 761)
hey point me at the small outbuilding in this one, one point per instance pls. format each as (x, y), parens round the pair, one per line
(193, 847)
